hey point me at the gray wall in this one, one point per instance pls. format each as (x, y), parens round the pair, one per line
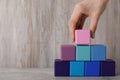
(31, 31)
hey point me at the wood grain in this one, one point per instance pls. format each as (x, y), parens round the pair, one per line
(31, 31)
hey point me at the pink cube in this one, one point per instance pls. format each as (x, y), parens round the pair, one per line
(82, 37)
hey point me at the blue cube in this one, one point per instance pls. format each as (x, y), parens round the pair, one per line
(98, 52)
(76, 68)
(82, 52)
(92, 68)
(62, 68)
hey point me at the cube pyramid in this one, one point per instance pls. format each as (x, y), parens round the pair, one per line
(83, 59)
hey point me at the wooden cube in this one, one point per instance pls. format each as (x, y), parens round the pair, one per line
(82, 36)
(98, 52)
(92, 68)
(82, 53)
(108, 68)
(62, 68)
(76, 68)
(67, 52)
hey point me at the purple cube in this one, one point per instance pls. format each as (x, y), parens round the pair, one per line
(62, 68)
(67, 52)
(108, 68)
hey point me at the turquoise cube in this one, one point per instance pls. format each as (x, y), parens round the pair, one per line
(98, 52)
(82, 52)
(76, 68)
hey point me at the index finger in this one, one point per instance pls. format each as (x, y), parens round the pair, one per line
(73, 21)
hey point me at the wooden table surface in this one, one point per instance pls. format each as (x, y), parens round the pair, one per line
(42, 74)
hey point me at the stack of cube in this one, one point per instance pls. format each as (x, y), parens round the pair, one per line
(84, 59)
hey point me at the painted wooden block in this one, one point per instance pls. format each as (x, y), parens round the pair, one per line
(92, 68)
(82, 53)
(62, 68)
(68, 52)
(76, 68)
(82, 36)
(108, 68)
(98, 52)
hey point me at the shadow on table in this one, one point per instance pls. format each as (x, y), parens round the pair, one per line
(81, 78)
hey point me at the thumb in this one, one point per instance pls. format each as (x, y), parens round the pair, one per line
(93, 25)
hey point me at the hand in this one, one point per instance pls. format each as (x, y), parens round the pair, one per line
(84, 9)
